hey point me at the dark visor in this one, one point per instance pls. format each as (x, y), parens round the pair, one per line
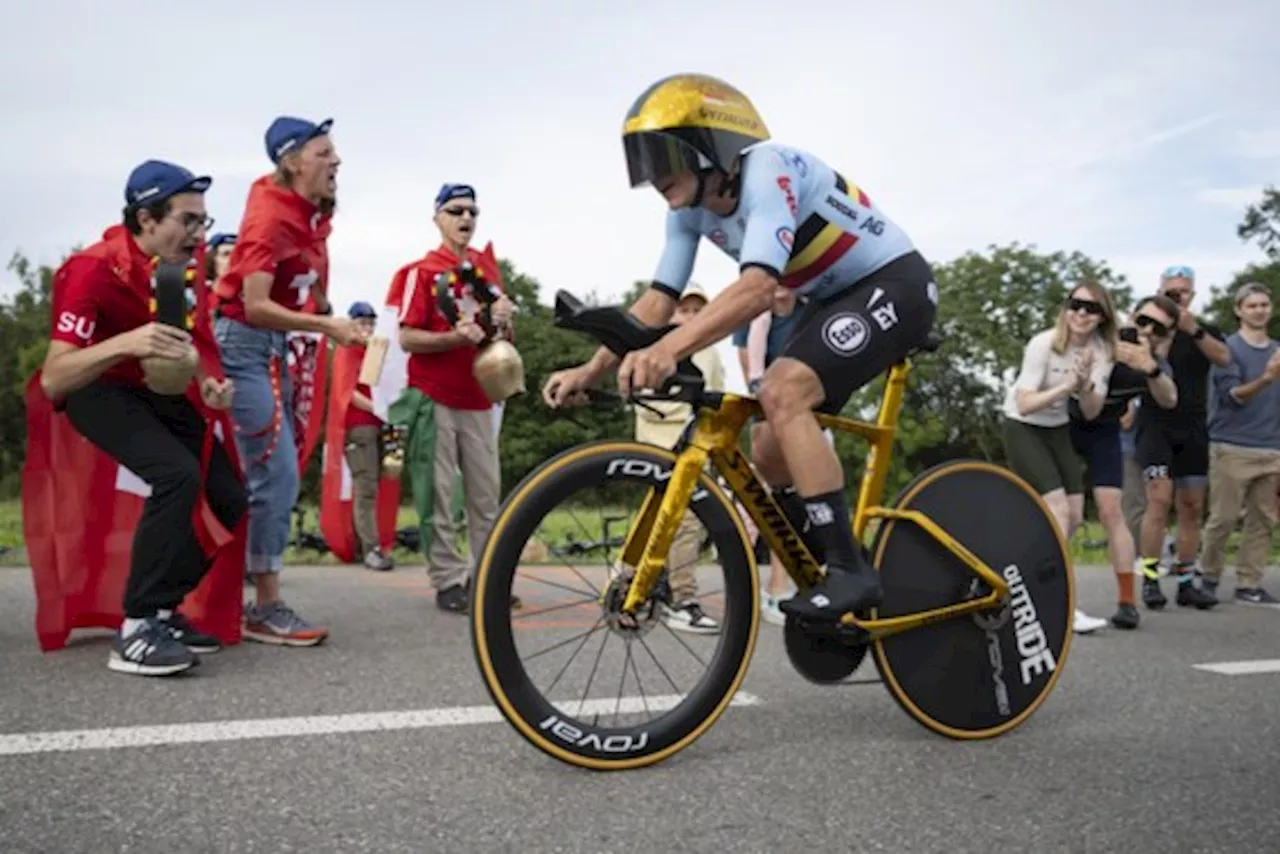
(654, 156)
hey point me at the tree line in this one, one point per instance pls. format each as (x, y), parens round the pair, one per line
(993, 302)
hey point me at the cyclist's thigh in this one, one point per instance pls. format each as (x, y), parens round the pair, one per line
(857, 335)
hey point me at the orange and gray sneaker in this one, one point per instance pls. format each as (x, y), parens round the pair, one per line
(279, 624)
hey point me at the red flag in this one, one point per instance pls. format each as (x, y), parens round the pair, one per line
(308, 368)
(335, 491)
(80, 508)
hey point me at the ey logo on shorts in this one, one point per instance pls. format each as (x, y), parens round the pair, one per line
(846, 333)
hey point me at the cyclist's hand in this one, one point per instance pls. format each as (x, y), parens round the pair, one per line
(647, 368)
(567, 387)
(157, 339)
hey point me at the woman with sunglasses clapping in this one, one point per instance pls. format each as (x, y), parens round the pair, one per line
(1072, 359)
(1140, 369)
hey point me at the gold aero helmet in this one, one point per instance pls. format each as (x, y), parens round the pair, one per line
(688, 122)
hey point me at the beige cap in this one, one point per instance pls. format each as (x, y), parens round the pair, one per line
(693, 289)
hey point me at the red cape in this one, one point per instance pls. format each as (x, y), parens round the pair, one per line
(336, 518)
(78, 519)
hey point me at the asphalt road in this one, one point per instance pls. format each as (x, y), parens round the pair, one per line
(1136, 750)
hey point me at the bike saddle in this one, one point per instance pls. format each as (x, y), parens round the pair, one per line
(931, 343)
(620, 331)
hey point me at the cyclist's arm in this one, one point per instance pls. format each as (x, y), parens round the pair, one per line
(767, 204)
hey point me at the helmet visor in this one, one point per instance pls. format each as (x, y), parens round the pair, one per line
(653, 157)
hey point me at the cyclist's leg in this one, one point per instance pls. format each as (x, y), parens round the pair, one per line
(1155, 456)
(767, 456)
(839, 346)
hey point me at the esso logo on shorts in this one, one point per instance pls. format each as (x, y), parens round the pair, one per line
(846, 334)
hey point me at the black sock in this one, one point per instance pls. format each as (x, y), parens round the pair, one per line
(831, 529)
(793, 507)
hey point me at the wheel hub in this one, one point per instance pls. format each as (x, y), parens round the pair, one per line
(630, 625)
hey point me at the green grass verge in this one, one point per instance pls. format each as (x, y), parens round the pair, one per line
(583, 525)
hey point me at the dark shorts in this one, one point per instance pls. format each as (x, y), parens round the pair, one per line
(857, 335)
(1175, 450)
(1099, 447)
(1043, 457)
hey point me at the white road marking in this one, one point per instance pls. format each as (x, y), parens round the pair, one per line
(108, 738)
(1242, 668)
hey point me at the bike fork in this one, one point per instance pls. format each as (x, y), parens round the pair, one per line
(656, 528)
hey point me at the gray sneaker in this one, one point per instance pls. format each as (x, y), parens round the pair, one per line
(378, 561)
(279, 624)
(1255, 596)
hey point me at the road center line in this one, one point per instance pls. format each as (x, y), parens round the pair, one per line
(109, 738)
(1242, 668)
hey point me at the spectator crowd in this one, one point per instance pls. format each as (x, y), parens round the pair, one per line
(1155, 413)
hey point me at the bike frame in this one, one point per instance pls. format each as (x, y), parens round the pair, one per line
(715, 438)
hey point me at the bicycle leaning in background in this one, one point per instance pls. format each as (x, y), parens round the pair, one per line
(970, 638)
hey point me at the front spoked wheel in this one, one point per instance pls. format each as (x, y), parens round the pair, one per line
(579, 679)
(977, 675)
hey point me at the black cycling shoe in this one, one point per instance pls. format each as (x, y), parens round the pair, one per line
(841, 591)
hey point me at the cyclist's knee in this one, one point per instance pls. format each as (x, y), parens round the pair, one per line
(789, 388)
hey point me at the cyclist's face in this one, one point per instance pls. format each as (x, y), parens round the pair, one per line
(678, 189)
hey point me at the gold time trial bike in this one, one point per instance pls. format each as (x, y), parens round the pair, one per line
(971, 636)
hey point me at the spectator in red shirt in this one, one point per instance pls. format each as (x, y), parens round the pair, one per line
(442, 352)
(103, 323)
(280, 261)
(362, 448)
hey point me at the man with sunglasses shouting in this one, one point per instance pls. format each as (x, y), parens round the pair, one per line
(1173, 444)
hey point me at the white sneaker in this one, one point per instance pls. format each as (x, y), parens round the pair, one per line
(1084, 624)
(769, 610)
(688, 617)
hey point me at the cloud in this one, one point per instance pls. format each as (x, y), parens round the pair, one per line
(1076, 127)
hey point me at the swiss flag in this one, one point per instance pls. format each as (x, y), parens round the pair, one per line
(336, 523)
(79, 511)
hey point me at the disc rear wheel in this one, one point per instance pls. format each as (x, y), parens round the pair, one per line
(977, 675)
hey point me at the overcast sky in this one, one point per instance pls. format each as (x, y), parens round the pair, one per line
(1135, 131)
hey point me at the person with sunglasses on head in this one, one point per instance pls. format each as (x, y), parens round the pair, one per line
(105, 338)
(1140, 372)
(1244, 450)
(448, 415)
(280, 265)
(1173, 448)
(1071, 359)
(786, 218)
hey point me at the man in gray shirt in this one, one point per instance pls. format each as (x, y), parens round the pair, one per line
(1244, 450)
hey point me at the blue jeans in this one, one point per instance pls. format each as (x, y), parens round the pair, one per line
(270, 473)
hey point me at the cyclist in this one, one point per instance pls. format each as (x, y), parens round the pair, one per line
(788, 219)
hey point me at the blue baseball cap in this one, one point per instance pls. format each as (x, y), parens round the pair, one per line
(156, 180)
(287, 133)
(361, 309)
(449, 192)
(220, 238)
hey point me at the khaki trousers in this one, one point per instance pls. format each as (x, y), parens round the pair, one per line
(1240, 478)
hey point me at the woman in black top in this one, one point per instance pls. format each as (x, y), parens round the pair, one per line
(1141, 369)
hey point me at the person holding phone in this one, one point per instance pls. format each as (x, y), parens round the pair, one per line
(1141, 371)
(1173, 449)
